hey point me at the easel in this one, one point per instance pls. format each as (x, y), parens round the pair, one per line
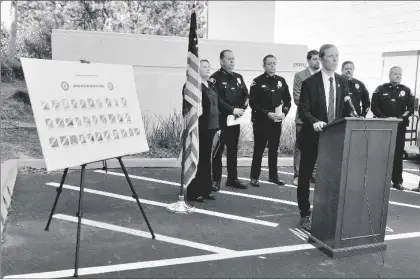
(79, 213)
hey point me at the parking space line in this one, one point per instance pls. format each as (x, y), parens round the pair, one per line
(280, 172)
(404, 204)
(291, 186)
(185, 260)
(409, 169)
(145, 234)
(221, 191)
(239, 194)
(160, 204)
(160, 263)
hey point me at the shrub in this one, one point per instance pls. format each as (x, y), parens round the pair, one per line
(22, 96)
(11, 68)
(36, 40)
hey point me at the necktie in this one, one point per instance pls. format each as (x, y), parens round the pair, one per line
(331, 101)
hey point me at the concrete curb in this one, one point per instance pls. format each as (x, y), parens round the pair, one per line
(9, 171)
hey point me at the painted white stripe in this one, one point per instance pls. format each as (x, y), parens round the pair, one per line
(280, 172)
(186, 260)
(238, 194)
(312, 189)
(411, 178)
(270, 215)
(160, 204)
(389, 229)
(297, 234)
(404, 204)
(408, 169)
(177, 184)
(402, 236)
(145, 234)
(160, 263)
(408, 179)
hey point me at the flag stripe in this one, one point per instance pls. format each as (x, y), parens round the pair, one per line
(192, 102)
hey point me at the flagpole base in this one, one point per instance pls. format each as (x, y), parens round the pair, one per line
(180, 207)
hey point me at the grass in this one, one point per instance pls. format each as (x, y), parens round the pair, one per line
(164, 136)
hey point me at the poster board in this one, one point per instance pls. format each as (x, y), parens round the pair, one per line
(84, 112)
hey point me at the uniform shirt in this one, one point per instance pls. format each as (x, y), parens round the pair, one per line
(232, 92)
(393, 101)
(359, 94)
(267, 93)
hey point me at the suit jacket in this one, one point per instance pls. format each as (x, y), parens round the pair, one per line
(297, 85)
(313, 106)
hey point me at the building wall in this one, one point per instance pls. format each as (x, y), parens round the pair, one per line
(250, 21)
(361, 30)
(159, 62)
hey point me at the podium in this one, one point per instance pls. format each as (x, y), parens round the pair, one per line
(354, 170)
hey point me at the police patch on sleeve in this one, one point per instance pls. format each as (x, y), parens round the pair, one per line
(212, 80)
(279, 84)
(253, 83)
(239, 80)
(357, 86)
(402, 93)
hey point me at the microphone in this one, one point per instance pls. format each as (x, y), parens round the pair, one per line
(348, 100)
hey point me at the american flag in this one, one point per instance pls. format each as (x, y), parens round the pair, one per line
(191, 107)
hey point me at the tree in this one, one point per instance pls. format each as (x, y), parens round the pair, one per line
(13, 29)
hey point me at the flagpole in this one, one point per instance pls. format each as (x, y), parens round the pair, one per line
(181, 206)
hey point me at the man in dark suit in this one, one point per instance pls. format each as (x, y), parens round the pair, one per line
(321, 101)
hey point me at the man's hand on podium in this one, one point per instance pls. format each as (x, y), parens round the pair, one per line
(318, 126)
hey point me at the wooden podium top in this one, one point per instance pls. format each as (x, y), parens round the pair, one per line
(354, 119)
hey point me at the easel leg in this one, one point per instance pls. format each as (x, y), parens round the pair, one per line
(135, 196)
(79, 214)
(59, 189)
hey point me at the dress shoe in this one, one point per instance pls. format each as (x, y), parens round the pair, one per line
(276, 181)
(236, 184)
(200, 199)
(305, 223)
(295, 181)
(255, 183)
(398, 186)
(211, 197)
(216, 186)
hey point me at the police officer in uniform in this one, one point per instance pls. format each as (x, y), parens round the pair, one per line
(268, 91)
(357, 90)
(395, 100)
(234, 97)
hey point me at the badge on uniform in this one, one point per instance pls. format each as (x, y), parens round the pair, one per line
(357, 86)
(263, 86)
(402, 93)
(350, 93)
(279, 84)
(239, 81)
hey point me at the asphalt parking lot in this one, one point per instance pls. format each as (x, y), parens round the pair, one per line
(243, 234)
